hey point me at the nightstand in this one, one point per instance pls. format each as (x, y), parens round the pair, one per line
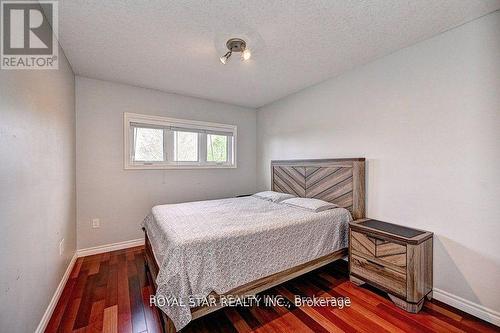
(393, 258)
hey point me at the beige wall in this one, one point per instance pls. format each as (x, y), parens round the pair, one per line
(37, 190)
(427, 118)
(122, 198)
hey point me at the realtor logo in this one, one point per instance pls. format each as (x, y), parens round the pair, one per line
(29, 35)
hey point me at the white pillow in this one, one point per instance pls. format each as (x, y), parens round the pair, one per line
(314, 205)
(273, 196)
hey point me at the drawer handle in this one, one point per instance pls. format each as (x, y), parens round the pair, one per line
(376, 239)
(375, 263)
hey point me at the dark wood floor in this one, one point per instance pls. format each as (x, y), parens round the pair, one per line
(110, 293)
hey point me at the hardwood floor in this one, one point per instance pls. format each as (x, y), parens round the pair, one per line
(110, 293)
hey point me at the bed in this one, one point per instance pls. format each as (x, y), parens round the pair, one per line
(242, 246)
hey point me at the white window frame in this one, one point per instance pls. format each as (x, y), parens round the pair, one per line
(168, 144)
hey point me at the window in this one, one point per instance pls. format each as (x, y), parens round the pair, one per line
(186, 146)
(152, 142)
(148, 144)
(216, 148)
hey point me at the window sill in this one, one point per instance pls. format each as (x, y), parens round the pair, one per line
(177, 167)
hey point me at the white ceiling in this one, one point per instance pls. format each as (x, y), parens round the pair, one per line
(175, 46)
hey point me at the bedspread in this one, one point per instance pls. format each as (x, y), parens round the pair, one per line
(218, 245)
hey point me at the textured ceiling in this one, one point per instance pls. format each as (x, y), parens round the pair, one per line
(174, 46)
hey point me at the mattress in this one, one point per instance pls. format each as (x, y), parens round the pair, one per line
(218, 245)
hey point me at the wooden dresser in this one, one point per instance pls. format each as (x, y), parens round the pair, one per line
(393, 258)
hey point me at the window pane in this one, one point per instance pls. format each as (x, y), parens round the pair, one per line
(148, 144)
(216, 148)
(186, 146)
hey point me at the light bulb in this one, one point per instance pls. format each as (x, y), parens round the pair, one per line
(225, 58)
(246, 54)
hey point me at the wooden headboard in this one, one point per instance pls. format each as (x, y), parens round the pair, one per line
(340, 181)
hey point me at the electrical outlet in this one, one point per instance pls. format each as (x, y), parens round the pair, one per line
(61, 247)
(96, 223)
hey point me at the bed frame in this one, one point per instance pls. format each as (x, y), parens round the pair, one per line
(340, 181)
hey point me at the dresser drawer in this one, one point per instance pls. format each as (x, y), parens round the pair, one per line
(383, 276)
(384, 252)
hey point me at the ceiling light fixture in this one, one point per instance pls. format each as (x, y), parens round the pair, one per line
(236, 45)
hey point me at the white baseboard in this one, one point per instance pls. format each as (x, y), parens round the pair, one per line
(472, 308)
(80, 253)
(109, 247)
(55, 298)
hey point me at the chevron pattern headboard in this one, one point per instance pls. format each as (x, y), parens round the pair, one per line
(340, 181)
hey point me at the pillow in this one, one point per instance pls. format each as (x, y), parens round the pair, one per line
(273, 196)
(314, 205)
